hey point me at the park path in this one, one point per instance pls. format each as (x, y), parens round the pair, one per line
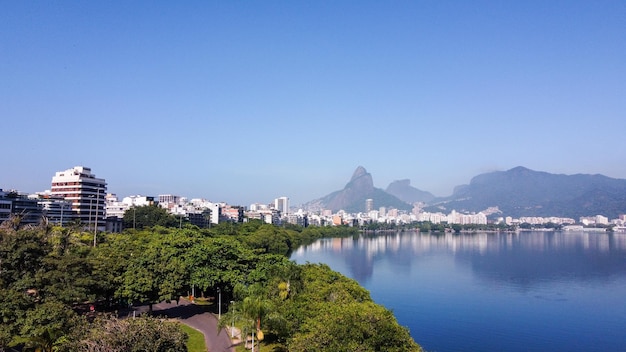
(194, 316)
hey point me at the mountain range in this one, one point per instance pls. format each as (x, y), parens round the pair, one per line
(516, 192)
(353, 196)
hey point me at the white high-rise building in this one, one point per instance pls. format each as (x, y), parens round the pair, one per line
(282, 205)
(138, 201)
(168, 198)
(115, 208)
(216, 212)
(369, 205)
(85, 192)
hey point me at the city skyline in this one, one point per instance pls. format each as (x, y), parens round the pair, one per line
(78, 191)
(247, 102)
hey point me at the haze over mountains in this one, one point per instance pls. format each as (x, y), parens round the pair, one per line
(352, 197)
(516, 192)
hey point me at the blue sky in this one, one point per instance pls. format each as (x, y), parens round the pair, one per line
(246, 101)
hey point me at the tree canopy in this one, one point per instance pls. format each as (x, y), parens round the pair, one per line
(148, 216)
(49, 276)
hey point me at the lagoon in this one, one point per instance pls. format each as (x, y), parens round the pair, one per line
(527, 291)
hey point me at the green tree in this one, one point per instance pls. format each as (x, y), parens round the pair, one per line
(254, 308)
(355, 326)
(226, 228)
(525, 225)
(249, 227)
(270, 239)
(310, 234)
(148, 216)
(67, 278)
(108, 333)
(39, 274)
(311, 288)
(219, 262)
(45, 272)
(158, 269)
(334, 313)
(46, 326)
(13, 307)
(21, 257)
(110, 259)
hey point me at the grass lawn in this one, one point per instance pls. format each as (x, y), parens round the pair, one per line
(196, 339)
(201, 301)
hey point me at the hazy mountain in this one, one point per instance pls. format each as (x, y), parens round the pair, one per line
(403, 190)
(352, 197)
(523, 192)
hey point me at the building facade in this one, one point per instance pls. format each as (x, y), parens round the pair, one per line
(369, 205)
(58, 211)
(282, 205)
(27, 209)
(86, 193)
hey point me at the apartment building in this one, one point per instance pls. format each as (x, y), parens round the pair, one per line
(85, 192)
(18, 204)
(282, 205)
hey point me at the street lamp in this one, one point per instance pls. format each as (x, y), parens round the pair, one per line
(232, 331)
(219, 304)
(90, 208)
(95, 226)
(252, 340)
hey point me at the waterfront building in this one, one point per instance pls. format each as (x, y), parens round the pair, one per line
(85, 192)
(282, 205)
(268, 216)
(369, 205)
(298, 219)
(602, 220)
(337, 220)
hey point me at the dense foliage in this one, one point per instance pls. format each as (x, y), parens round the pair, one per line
(108, 334)
(427, 226)
(51, 276)
(148, 216)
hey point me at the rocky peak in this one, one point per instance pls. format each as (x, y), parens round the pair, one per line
(353, 196)
(360, 171)
(361, 181)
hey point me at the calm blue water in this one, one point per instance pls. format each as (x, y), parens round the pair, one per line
(532, 291)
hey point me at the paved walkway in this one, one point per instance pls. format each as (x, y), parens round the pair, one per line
(197, 318)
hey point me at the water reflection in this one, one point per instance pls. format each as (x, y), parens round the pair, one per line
(519, 259)
(532, 291)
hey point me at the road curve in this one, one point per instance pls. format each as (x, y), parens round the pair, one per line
(197, 318)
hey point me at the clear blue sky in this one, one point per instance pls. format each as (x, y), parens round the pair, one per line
(246, 101)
